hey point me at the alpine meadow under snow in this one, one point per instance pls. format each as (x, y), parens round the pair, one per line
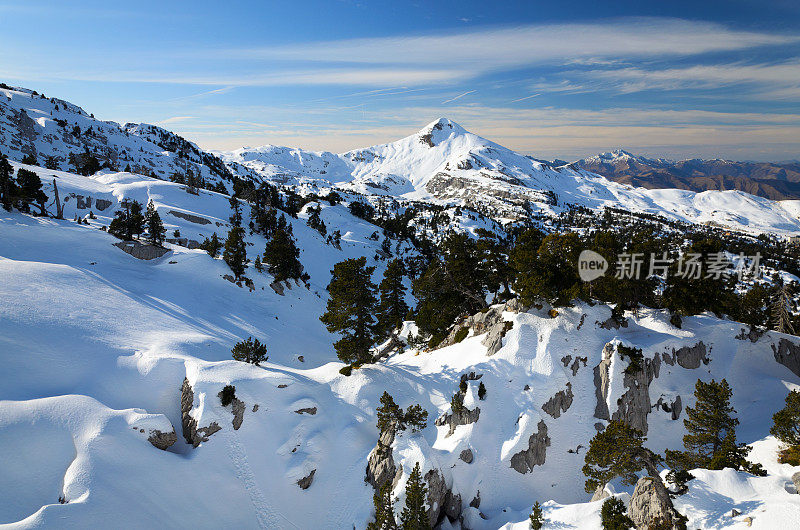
(114, 366)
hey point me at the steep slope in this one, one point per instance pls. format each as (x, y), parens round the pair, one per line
(102, 352)
(33, 125)
(445, 163)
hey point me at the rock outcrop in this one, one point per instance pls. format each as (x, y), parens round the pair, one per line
(651, 507)
(191, 433)
(190, 217)
(535, 454)
(380, 464)
(162, 440)
(490, 322)
(560, 402)
(634, 405)
(140, 250)
(788, 354)
(306, 481)
(462, 416)
(441, 500)
(466, 456)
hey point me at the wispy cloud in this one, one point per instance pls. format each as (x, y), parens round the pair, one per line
(459, 96)
(174, 119)
(523, 99)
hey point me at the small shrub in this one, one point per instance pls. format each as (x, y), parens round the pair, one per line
(634, 356)
(227, 395)
(462, 386)
(346, 370)
(537, 517)
(790, 455)
(676, 320)
(481, 391)
(553, 313)
(461, 334)
(250, 351)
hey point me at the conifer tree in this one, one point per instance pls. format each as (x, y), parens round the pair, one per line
(236, 211)
(250, 351)
(392, 308)
(128, 222)
(550, 273)
(235, 251)
(30, 190)
(350, 307)
(384, 509)
(281, 255)
(212, 245)
(415, 515)
(8, 186)
(781, 309)
(315, 220)
(155, 228)
(613, 515)
(537, 516)
(711, 438)
(786, 428)
(257, 264)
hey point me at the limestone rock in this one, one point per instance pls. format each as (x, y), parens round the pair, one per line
(600, 493)
(535, 454)
(102, 204)
(788, 354)
(690, 357)
(466, 456)
(464, 416)
(560, 402)
(191, 432)
(380, 463)
(238, 413)
(162, 440)
(651, 507)
(796, 480)
(306, 481)
(190, 217)
(441, 500)
(307, 410)
(140, 250)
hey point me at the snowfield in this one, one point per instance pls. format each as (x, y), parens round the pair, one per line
(96, 346)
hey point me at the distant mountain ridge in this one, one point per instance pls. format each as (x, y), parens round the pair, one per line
(776, 181)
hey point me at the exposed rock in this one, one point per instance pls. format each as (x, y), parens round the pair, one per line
(796, 481)
(735, 513)
(788, 354)
(634, 405)
(613, 323)
(599, 426)
(565, 360)
(140, 250)
(560, 402)
(102, 204)
(307, 410)
(751, 334)
(162, 440)
(380, 464)
(238, 413)
(476, 500)
(673, 408)
(690, 357)
(535, 454)
(190, 217)
(277, 287)
(441, 500)
(463, 416)
(191, 433)
(255, 407)
(466, 456)
(651, 507)
(306, 481)
(600, 493)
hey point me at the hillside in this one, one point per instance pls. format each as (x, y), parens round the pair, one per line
(104, 352)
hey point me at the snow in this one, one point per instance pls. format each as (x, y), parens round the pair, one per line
(96, 344)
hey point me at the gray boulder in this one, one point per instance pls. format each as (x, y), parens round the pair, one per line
(306, 481)
(463, 416)
(651, 507)
(535, 454)
(788, 354)
(140, 250)
(560, 402)
(191, 433)
(466, 456)
(162, 440)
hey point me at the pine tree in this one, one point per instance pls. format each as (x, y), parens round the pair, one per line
(537, 516)
(235, 251)
(8, 186)
(350, 307)
(315, 220)
(786, 428)
(155, 228)
(415, 515)
(384, 509)
(236, 211)
(250, 351)
(687, 295)
(550, 273)
(30, 190)
(392, 308)
(781, 310)
(128, 222)
(613, 515)
(711, 438)
(281, 255)
(257, 264)
(212, 245)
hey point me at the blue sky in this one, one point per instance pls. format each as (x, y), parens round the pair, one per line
(552, 79)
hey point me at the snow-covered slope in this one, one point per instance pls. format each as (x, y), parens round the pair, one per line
(34, 125)
(100, 349)
(445, 163)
